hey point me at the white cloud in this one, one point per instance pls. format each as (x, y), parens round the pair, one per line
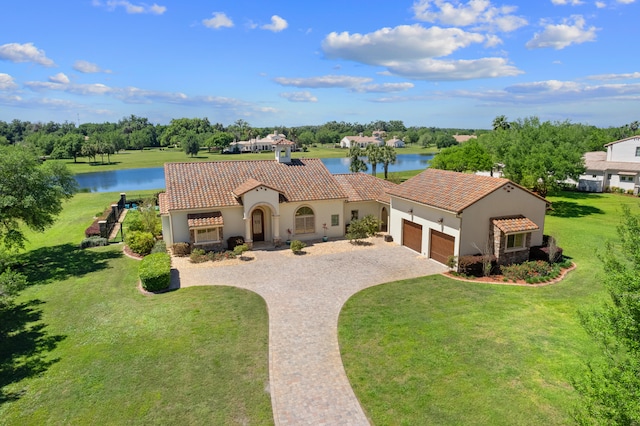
(626, 1)
(299, 96)
(59, 78)
(7, 83)
(111, 5)
(555, 92)
(601, 5)
(277, 24)
(219, 20)
(571, 31)
(26, 52)
(326, 81)
(472, 13)
(402, 43)
(452, 70)
(87, 67)
(625, 76)
(565, 2)
(383, 88)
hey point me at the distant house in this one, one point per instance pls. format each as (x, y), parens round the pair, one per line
(257, 145)
(268, 201)
(440, 214)
(361, 141)
(463, 138)
(395, 143)
(618, 168)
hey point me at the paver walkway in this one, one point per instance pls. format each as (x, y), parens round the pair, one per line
(304, 295)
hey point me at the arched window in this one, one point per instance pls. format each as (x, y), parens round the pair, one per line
(305, 221)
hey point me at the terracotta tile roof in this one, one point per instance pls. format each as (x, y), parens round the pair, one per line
(451, 191)
(364, 187)
(249, 185)
(205, 219)
(513, 224)
(211, 184)
(284, 142)
(364, 139)
(162, 203)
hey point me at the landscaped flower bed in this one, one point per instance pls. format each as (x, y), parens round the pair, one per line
(531, 272)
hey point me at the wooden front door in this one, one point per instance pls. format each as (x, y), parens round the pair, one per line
(412, 235)
(384, 220)
(441, 246)
(257, 225)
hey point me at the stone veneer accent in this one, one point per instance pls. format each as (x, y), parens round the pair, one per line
(499, 248)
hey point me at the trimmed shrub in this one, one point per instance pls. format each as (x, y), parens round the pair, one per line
(297, 246)
(181, 249)
(140, 242)
(542, 253)
(155, 271)
(522, 271)
(240, 249)
(93, 230)
(95, 241)
(232, 242)
(159, 247)
(198, 256)
(474, 265)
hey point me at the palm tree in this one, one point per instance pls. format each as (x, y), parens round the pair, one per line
(500, 122)
(387, 156)
(373, 153)
(357, 165)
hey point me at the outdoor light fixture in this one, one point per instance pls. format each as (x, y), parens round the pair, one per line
(440, 220)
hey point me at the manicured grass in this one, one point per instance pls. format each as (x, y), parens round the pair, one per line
(156, 157)
(438, 351)
(85, 347)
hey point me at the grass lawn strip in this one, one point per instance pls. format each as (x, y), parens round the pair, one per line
(436, 351)
(195, 356)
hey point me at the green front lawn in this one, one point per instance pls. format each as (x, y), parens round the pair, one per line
(156, 157)
(85, 347)
(437, 351)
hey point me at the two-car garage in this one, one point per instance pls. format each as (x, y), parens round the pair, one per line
(441, 245)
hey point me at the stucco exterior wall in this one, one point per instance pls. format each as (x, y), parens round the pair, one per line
(233, 223)
(364, 208)
(624, 151)
(322, 211)
(423, 215)
(475, 222)
(615, 182)
(166, 230)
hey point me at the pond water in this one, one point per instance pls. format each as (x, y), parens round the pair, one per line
(153, 178)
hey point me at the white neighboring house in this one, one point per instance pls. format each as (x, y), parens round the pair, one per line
(257, 145)
(440, 214)
(395, 143)
(618, 168)
(361, 141)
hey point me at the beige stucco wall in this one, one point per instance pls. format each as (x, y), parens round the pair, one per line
(364, 208)
(426, 216)
(475, 220)
(232, 216)
(322, 211)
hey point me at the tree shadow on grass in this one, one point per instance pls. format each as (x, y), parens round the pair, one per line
(572, 209)
(25, 346)
(58, 263)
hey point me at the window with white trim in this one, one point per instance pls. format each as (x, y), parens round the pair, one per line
(305, 221)
(626, 178)
(207, 235)
(335, 220)
(515, 241)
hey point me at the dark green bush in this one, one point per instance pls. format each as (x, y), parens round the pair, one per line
(95, 241)
(181, 249)
(159, 247)
(155, 271)
(11, 283)
(140, 242)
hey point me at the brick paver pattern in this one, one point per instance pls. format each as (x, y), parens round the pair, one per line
(304, 295)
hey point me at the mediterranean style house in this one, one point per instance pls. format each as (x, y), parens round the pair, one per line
(618, 168)
(361, 141)
(436, 213)
(441, 214)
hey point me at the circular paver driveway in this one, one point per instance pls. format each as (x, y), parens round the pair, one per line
(304, 295)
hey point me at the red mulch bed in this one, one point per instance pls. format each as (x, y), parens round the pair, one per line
(499, 279)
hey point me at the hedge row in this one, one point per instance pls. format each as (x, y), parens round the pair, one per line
(155, 271)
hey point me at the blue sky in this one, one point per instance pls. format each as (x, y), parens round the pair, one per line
(441, 63)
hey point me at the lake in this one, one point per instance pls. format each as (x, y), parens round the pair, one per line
(153, 178)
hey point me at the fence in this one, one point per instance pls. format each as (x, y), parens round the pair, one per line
(106, 226)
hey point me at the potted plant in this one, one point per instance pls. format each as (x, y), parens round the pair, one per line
(324, 236)
(288, 242)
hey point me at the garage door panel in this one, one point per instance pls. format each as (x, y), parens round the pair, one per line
(412, 235)
(441, 246)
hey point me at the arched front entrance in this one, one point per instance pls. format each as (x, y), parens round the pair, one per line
(384, 220)
(257, 225)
